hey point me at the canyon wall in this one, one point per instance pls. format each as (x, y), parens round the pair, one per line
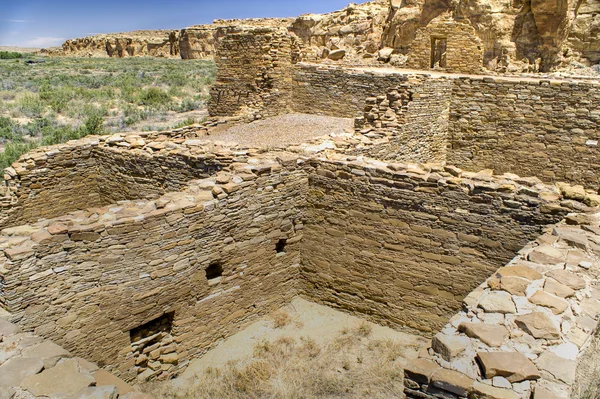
(523, 36)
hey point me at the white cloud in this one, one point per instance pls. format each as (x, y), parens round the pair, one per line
(45, 41)
(19, 21)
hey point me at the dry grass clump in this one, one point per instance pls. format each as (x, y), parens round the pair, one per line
(281, 318)
(351, 366)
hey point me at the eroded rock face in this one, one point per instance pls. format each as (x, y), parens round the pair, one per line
(517, 36)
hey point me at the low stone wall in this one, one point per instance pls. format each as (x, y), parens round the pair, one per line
(153, 284)
(542, 128)
(402, 245)
(528, 331)
(31, 366)
(100, 170)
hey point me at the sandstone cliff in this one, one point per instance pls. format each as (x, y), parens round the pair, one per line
(155, 43)
(516, 36)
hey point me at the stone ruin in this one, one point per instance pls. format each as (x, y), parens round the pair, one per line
(480, 36)
(140, 252)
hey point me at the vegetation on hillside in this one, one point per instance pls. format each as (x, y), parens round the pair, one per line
(68, 98)
(10, 55)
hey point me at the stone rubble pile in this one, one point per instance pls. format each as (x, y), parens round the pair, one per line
(527, 329)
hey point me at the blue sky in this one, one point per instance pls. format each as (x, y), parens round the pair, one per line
(45, 23)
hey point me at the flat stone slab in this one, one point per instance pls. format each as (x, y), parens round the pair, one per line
(538, 325)
(567, 278)
(490, 334)
(546, 255)
(519, 271)
(103, 392)
(562, 369)
(7, 328)
(14, 371)
(554, 303)
(64, 379)
(452, 381)
(513, 366)
(497, 302)
(421, 370)
(103, 378)
(554, 287)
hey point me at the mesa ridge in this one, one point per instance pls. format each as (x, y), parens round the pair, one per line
(461, 207)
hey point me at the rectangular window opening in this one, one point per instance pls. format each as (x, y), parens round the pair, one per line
(438, 52)
(214, 271)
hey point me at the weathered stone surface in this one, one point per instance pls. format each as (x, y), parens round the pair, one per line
(513, 366)
(539, 325)
(103, 377)
(546, 255)
(510, 284)
(448, 346)
(484, 391)
(542, 392)
(14, 371)
(569, 279)
(47, 351)
(489, 334)
(103, 392)
(497, 302)
(63, 379)
(421, 370)
(452, 381)
(7, 328)
(519, 271)
(556, 304)
(554, 287)
(561, 368)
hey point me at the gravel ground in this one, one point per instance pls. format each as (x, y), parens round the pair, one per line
(283, 130)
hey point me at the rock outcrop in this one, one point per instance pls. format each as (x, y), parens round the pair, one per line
(519, 36)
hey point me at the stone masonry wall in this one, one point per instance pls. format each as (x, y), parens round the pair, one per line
(548, 129)
(335, 91)
(413, 120)
(31, 366)
(53, 181)
(402, 245)
(464, 50)
(205, 261)
(529, 331)
(253, 73)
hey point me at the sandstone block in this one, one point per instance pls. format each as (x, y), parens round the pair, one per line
(497, 302)
(567, 278)
(421, 370)
(452, 381)
(104, 392)
(490, 334)
(513, 366)
(561, 368)
(556, 304)
(554, 287)
(64, 379)
(104, 378)
(448, 346)
(538, 325)
(14, 371)
(484, 391)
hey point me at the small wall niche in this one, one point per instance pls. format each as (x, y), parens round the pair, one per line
(214, 271)
(280, 246)
(163, 325)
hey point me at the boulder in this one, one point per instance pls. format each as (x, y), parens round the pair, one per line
(337, 54)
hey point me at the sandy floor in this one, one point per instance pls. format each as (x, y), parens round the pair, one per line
(283, 130)
(310, 320)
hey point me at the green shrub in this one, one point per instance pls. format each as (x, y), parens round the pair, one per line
(10, 55)
(13, 150)
(154, 97)
(31, 106)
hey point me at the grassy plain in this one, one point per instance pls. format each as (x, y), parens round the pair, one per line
(61, 99)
